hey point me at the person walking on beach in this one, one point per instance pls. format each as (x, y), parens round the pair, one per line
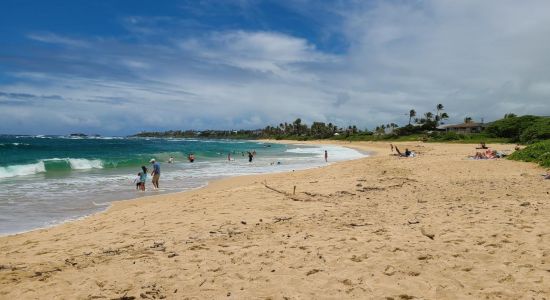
(142, 178)
(155, 173)
(326, 156)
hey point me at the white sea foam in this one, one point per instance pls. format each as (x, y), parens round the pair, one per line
(306, 151)
(72, 194)
(40, 166)
(84, 164)
(22, 170)
(335, 153)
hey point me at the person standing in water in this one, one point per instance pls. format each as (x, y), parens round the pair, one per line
(326, 156)
(142, 178)
(191, 157)
(228, 156)
(250, 156)
(155, 173)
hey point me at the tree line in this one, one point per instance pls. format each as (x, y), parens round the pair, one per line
(516, 129)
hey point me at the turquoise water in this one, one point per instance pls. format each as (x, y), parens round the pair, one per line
(45, 180)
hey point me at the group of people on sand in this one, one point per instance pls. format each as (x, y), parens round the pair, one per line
(488, 153)
(142, 176)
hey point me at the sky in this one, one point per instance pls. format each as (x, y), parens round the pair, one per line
(117, 67)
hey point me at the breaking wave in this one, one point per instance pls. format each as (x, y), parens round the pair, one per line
(50, 165)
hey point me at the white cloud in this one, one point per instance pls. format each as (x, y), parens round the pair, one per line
(255, 51)
(52, 38)
(480, 59)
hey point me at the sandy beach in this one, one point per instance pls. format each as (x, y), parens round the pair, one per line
(437, 226)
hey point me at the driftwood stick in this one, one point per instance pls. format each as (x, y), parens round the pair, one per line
(283, 192)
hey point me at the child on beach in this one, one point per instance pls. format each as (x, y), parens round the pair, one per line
(143, 178)
(137, 181)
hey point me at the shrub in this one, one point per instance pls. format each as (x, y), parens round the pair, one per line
(448, 136)
(515, 127)
(538, 131)
(537, 152)
(408, 130)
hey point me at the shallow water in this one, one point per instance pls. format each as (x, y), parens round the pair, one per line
(47, 180)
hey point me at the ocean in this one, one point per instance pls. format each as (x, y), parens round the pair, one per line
(47, 180)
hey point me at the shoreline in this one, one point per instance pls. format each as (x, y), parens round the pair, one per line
(160, 194)
(433, 226)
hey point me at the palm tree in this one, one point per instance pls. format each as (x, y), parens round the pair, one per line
(428, 116)
(443, 116)
(297, 126)
(468, 120)
(412, 114)
(438, 114)
(330, 128)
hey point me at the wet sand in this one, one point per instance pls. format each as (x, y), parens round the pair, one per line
(437, 226)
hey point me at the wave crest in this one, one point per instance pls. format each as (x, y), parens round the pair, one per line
(22, 170)
(50, 165)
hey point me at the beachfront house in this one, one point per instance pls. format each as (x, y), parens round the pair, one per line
(464, 128)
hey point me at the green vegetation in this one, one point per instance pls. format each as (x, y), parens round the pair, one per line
(207, 134)
(511, 129)
(473, 138)
(525, 129)
(538, 152)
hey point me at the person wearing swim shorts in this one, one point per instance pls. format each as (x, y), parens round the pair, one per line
(155, 173)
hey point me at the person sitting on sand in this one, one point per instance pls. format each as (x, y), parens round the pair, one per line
(407, 153)
(490, 154)
(399, 152)
(482, 146)
(479, 155)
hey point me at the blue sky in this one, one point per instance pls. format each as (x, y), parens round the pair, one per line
(119, 67)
